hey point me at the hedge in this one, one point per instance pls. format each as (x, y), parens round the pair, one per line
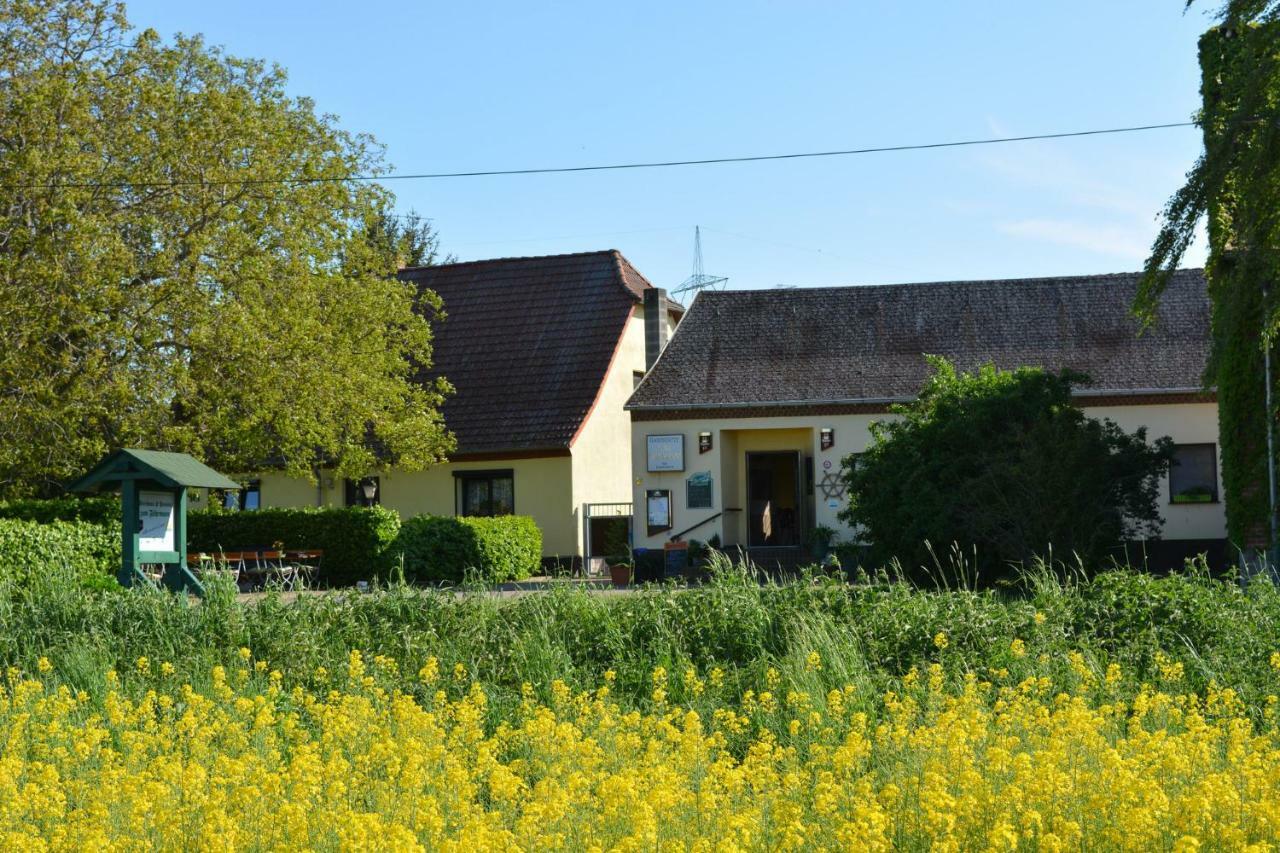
(100, 509)
(358, 542)
(494, 550)
(89, 551)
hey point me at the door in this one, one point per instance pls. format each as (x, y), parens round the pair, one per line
(774, 515)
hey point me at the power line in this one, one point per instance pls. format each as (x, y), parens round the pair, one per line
(655, 164)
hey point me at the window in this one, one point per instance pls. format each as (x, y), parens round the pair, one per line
(1193, 476)
(637, 376)
(485, 492)
(250, 497)
(367, 491)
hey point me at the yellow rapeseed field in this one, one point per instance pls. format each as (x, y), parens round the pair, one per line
(248, 764)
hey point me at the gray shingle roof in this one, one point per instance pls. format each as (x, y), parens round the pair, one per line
(526, 343)
(867, 344)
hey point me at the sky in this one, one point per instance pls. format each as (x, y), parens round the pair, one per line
(464, 86)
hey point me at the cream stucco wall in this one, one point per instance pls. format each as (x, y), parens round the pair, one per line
(602, 450)
(543, 491)
(734, 438)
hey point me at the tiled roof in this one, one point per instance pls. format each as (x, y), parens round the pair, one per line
(846, 344)
(526, 343)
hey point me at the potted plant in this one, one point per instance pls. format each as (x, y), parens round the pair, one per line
(620, 567)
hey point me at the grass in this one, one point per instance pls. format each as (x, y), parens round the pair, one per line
(868, 633)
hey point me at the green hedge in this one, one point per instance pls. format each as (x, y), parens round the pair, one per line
(499, 549)
(102, 509)
(358, 542)
(90, 551)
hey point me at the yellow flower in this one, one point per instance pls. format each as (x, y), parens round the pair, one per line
(940, 640)
(143, 665)
(244, 653)
(1039, 618)
(43, 664)
(430, 671)
(1018, 648)
(813, 662)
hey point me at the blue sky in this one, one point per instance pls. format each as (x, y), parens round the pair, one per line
(467, 86)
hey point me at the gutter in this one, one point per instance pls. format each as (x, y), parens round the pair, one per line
(884, 401)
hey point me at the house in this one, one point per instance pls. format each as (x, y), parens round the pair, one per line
(543, 353)
(739, 429)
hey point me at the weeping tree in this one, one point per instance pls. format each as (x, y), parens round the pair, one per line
(193, 259)
(1235, 186)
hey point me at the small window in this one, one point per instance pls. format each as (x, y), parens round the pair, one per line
(637, 376)
(485, 493)
(367, 491)
(250, 497)
(1193, 476)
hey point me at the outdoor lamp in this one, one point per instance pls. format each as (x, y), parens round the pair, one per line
(827, 437)
(370, 488)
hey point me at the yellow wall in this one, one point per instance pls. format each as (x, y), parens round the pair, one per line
(733, 438)
(602, 450)
(542, 491)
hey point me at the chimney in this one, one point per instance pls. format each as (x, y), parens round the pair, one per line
(655, 324)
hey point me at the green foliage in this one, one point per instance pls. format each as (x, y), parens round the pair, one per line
(1002, 462)
(161, 287)
(358, 542)
(492, 550)
(90, 552)
(865, 634)
(103, 509)
(1236, 185)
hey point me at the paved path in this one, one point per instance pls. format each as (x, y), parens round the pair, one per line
(514, 589)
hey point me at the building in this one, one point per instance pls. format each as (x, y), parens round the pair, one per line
(739, 429)
(543, 353)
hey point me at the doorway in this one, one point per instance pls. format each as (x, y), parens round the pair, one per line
(773, 499)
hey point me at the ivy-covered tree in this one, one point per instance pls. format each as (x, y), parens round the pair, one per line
(1235, 184)
(187, 264)
(1005, 465)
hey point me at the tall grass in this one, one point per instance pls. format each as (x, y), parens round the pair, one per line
(866, 633)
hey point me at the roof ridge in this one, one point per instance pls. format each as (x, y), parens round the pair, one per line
(504, 259)
(953, 282)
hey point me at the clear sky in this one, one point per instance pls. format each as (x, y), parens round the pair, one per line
(462, 86)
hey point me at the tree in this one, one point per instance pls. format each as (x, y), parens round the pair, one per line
(192, 259)
(1236, 185)
(1004, 462)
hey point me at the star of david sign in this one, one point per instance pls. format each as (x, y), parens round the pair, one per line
(832, 485)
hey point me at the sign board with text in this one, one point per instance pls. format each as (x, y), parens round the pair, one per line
(664, 452)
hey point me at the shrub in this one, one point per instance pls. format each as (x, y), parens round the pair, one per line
(503, 548)
(100, 509)
(358, 542)
(1004, 462)
(90, 552)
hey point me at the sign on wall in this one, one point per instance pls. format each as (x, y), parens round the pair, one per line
(698, 490)
(658, 510)
(155, 521)
(664, 452)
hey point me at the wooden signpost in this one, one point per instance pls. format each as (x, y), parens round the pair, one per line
(153, 498)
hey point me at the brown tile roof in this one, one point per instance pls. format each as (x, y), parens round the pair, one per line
(848, 344)
(527, 342)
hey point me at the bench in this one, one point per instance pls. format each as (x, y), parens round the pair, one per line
(254, 568)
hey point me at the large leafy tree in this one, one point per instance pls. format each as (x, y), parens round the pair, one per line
(1005, 465)
(1235, 185)
(186, 262)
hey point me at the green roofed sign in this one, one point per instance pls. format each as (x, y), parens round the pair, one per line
(153, 495)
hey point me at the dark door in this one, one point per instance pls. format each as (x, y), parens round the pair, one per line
(773, 499)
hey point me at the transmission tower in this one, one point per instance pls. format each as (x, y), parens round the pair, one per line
(699, 280)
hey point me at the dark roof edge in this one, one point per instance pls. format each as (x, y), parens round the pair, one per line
(428, 267)
(887, 401)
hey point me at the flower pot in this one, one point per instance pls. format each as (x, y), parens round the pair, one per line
(620, 574)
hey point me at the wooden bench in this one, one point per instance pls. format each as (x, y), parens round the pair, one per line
(254, 568)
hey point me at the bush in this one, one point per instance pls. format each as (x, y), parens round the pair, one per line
(100, 509)
(358, 542)
(90, 552)
(436, 548)
(1004, 463)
